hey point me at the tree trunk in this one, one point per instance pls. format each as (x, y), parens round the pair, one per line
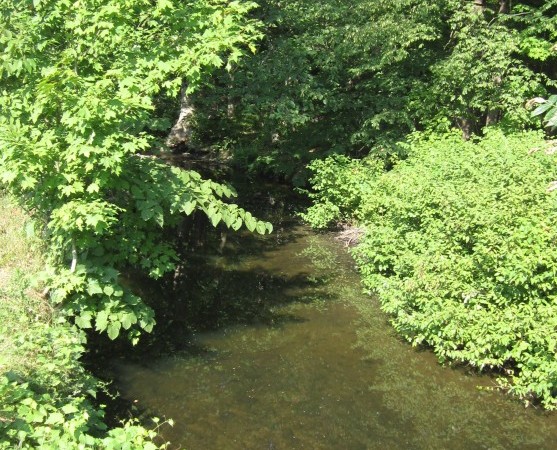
(504, 6)
(180, 134)
(479, 5)
(493, 116)
(230, 107)
(466, 126)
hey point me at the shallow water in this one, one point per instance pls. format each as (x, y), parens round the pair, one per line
(324, 370)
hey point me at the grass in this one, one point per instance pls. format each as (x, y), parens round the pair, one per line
(22, 307)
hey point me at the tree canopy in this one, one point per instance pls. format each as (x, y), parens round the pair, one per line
(355, 77)
(80, 88)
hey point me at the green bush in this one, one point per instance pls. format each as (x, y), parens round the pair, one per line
(339, 184)
(52, 407)
(461, 249)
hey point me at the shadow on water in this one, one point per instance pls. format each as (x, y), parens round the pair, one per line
(248, 282)
(268, 343)
(226, 279)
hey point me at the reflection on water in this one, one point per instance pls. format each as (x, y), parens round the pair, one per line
(325, 372)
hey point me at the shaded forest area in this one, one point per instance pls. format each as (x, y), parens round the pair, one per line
(356, 78)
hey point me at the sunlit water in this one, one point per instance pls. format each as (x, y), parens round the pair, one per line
(323, 371)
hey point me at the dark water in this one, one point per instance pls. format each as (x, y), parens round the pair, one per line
(323, 370)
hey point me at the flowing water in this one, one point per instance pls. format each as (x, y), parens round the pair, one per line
(320, 368)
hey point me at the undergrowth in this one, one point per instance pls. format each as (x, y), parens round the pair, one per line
(461, 248)
(47, 398)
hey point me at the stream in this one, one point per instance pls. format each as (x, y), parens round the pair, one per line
(314, 365)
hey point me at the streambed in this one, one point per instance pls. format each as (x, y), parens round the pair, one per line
(324, 370)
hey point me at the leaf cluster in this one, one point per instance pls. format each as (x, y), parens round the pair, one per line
(339, 185)
(330, 77)
(53, 408)
(352, 77)
(547, 109)
(47, 399)
(481, 79)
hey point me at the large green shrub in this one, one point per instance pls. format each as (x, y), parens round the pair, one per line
(461, 248)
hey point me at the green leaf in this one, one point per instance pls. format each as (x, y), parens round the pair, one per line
(54, 418)
(93, 287)
(251, 223)
(188, 207)
(261, 227)
(108, 290)
(215, 218)
(128, 319)
(147, 213)
(237, 224)
(113, 330)
(69, 409)
(84, 320)
(101, 320)
(147, 325)
(92, 188)
(542, 108)
(551, 118)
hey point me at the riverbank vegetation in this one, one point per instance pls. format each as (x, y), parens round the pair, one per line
(84, 89)
(460, 248)
(417, 121)
(48, 400)
(460, 234)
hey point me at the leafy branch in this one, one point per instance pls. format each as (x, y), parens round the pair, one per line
(547, 109)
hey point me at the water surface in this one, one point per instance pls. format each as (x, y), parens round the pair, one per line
(321, 369)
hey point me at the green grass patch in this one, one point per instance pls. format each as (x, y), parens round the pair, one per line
(22, 308)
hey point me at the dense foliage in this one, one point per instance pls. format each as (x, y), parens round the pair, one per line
(339, 186)
(47, 398)
(314, 88)
(459, 243)
(84, 90)
(460, 247)
(354, 77)
(79, 85)
(52, 407)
